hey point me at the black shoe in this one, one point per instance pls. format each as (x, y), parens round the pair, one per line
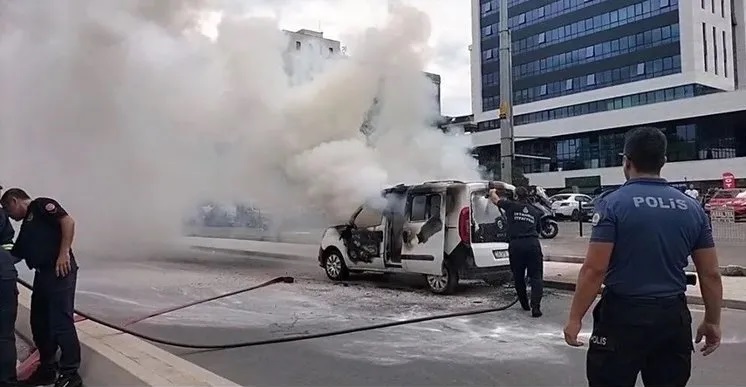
(524, 304)
(536, 312)
(42, 376)
(69, 380)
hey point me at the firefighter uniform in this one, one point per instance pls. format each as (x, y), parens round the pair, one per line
(525, 251)
(53, 297)
(642, 324)
(8, 303)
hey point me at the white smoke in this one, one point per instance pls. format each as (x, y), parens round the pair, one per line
(129, 116)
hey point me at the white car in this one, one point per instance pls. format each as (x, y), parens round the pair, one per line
(444, 230)
(568, 205)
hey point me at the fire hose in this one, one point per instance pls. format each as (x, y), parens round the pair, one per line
(33, 360)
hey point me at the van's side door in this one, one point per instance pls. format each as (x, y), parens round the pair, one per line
(364, 239)
(424, 235)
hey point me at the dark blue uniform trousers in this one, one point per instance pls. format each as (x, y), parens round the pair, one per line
(637, 336)
(8, 313)
(526, 257)
(52, 320)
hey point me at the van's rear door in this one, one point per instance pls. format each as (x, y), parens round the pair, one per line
(489, 239)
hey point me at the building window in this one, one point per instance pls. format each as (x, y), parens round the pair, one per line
(703, 4)
(589, 52)
(722, 8)
(331, 50)
(543, 89)
(568, 84)
(640, 68)
(651, 97)
(725, 56)
(521, 18)
(713, 6)
(541, 38)
(591, 79)
(715, 48)
(486, 8)
(665, 3)
(487, 31)
(297, 45)
(704, 41)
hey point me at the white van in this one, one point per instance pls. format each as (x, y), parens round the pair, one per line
(445, 230)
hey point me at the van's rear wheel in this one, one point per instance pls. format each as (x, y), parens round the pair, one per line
(334, 266)
(445, 283)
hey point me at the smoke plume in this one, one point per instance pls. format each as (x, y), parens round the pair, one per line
(130, 116)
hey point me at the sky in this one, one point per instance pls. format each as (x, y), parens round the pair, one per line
(341, 19)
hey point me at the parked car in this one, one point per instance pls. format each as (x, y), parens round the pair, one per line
(588, 209)
(568, 205)
(442, 230)
(734, 198)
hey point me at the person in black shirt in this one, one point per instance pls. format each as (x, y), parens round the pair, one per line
(8, 303)
(44, 242)
(524, 222)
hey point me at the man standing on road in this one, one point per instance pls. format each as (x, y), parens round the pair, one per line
(642, 235)
(45, 242)
(524, 222)
(8, 303)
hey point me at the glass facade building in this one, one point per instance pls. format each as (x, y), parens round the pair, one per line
(703, 138)
(564, 47)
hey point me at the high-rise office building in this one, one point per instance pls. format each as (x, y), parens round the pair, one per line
(587, 71)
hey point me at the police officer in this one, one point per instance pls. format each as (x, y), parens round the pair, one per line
(642, 235)
(44, 242)
(525, 250)
(8, 303)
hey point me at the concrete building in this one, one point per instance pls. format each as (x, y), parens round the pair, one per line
(587, 71)
(307, 53)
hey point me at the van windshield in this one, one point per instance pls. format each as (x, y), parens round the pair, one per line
(488, 221)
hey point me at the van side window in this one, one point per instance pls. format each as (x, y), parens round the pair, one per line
(418, 209)
(424, 207)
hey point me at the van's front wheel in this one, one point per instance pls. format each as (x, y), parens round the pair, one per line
(334, 266)
(445, 283)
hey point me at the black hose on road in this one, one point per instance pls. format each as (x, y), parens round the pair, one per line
(288, 339)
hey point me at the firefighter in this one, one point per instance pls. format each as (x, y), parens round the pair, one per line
(8, 303)
(44, 242)
(524, 223)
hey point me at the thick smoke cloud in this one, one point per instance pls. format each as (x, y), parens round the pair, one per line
(130, 116)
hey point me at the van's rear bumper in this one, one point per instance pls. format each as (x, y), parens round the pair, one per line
(469, 270)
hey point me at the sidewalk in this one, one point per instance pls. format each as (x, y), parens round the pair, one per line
(561, 275)
(732, 259)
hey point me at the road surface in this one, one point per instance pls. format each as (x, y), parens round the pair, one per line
(506, 348)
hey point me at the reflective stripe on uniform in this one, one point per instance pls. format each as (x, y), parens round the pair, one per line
(7, 247)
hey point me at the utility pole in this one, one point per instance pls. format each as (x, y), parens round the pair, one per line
(507, 145)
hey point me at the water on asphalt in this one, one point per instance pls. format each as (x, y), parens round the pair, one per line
(505, 348)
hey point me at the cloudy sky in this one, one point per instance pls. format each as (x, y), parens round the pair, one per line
(450, 22)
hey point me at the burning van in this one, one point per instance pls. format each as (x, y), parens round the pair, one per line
(443, 230)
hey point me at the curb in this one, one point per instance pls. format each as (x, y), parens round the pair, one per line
(112, 358)
(694, 300)
(268, 254)
(727, 271)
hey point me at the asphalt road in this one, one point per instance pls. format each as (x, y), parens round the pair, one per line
(505, 348)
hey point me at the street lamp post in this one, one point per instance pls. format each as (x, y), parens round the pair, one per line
(507, 145)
